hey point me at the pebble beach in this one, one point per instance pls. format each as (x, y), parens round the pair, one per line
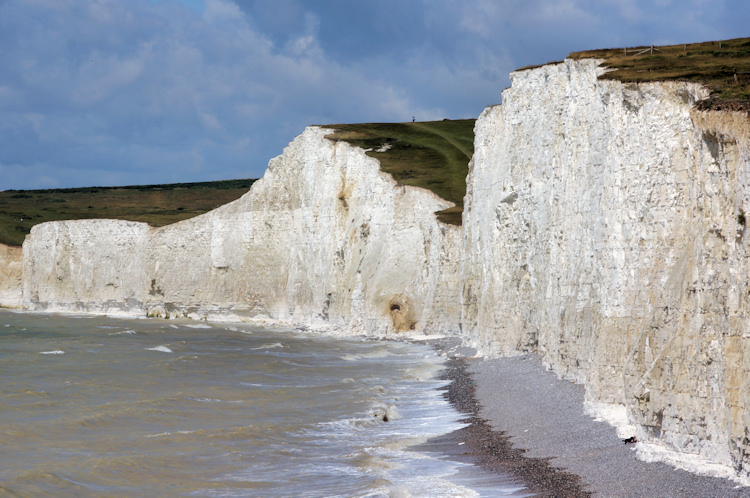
(526, 423)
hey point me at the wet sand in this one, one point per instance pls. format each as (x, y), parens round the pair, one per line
(527, 423)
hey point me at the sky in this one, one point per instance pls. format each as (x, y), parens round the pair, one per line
(133, 92)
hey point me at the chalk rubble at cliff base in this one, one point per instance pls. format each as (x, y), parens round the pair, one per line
(601, 229)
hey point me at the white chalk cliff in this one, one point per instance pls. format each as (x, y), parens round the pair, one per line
(324, 239)
(11, 284)
(604, 227)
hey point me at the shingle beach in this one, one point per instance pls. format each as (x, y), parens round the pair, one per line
(526, 423)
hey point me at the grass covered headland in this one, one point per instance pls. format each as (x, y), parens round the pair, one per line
(157, 205)
(434, 155)
(722, 66)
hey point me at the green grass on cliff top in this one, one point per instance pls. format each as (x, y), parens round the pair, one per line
(157, 205)
(434, 155)
(723, 66)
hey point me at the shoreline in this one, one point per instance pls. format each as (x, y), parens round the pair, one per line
(493, 450)
(528, 425)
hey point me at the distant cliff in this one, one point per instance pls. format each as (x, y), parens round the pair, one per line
(324, 239)
(11, 284)
(604, 227)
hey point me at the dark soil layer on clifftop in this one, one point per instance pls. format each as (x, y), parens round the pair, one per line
(723, 66)
(434, 155)
(157, 205)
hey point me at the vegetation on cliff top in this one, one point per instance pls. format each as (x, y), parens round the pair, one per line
(434, 155)
(722, 66)
(157, 205)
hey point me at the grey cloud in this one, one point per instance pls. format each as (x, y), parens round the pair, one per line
(147, 91)
(156, 92)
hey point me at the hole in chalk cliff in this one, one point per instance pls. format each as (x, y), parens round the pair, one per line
(402, 314)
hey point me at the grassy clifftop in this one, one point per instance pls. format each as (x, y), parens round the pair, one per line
(723, 66)
(434, 155)
(157, 205)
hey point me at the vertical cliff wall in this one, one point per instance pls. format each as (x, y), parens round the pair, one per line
(324, 239)
(11, 286)
(605, 228)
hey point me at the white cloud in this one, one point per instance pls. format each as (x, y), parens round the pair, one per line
(132, 91)
(218, 11)
(132, 95)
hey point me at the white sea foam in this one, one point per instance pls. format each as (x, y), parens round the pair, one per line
(163, 349)
(378, 353)
(268, 346)
(56, 351)
(170, 433)
(198, 326)
(424, 372)
(129, 332)
(214, 400)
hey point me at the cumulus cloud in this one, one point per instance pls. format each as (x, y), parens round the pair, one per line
(107, 92)
(156, 92)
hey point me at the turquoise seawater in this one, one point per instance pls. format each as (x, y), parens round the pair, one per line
(97, 406)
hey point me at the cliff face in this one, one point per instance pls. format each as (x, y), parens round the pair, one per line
(604, 227)
(324, 239)
(11, 287)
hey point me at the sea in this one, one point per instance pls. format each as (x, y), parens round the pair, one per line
(103, 406)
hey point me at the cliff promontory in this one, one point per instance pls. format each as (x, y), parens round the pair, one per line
(604, 227)
(324, 239)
